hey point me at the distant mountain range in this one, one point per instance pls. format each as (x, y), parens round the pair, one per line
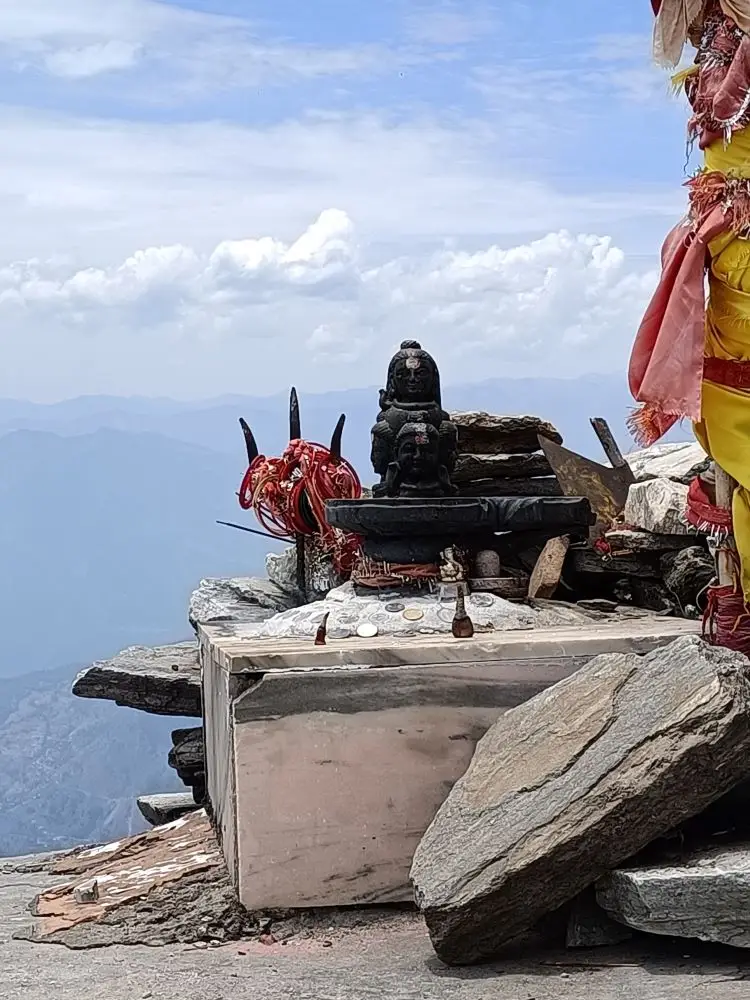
(71, 770)
(107, 522)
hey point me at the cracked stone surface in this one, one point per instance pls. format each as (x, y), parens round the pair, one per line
(574, 782)
(658, 506)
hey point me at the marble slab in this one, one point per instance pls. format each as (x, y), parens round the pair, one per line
(234, 648)
(326, 764)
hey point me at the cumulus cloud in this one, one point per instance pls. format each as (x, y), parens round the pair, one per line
(250, 313)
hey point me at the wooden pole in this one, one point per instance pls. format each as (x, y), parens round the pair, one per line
(608, 443)
(725, 487)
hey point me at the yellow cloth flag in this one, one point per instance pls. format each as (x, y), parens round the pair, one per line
(724, 429)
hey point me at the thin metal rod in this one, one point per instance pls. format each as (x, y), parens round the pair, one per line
(252, 531)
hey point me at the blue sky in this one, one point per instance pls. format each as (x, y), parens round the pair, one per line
(434, 129)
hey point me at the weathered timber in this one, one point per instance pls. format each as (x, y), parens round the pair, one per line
(166, 886)
(587, 560)
(634, 540)
(161, 809)
(610, 445)
(704, 895)
(472, 467)
(545, 578)
(482, 433)
(570, 784)
(540, 486)
(726, 557)
(162, 680)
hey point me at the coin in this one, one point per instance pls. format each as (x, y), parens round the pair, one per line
(367, 630)
(394, 607)
(481, 600)
(413, 614)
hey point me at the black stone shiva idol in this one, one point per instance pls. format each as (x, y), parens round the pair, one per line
(413, 441)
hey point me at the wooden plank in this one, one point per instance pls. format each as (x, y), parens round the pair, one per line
(610, 445)
(545, 578)
(725, 487)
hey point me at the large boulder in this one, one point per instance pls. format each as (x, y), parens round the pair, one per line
(575, 781)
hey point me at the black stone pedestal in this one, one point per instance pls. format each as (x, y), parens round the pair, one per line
(403, 530)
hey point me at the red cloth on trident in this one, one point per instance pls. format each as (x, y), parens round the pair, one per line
(666, 363)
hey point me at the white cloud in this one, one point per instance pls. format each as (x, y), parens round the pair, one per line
(252, 312)
(97, 190)
(448, 23)
(91, 60)
(193, 50)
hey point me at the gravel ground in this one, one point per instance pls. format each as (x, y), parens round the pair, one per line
(388, 958)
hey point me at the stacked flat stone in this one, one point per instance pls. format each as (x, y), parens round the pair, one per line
(500, 456)
(664, 560)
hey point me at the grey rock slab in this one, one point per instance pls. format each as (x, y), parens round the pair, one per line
(160, 809)
(706, 896)
(539, 486)
(281, 568)
(472, 467)
(573, 782)
(481, 433)
(681, 462)
(162, 680)
(240, 599)
(658, 506)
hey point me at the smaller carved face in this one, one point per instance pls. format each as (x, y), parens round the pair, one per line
(414, 379)
(417, 450)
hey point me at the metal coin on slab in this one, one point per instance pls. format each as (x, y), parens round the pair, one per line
(481, 600)
(394, 607)
(367, 630)
(413, 614)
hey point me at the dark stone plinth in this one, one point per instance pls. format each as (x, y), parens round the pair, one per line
(417, 530)
(393, 517)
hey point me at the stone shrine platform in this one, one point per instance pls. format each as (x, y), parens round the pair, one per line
(326, 764)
